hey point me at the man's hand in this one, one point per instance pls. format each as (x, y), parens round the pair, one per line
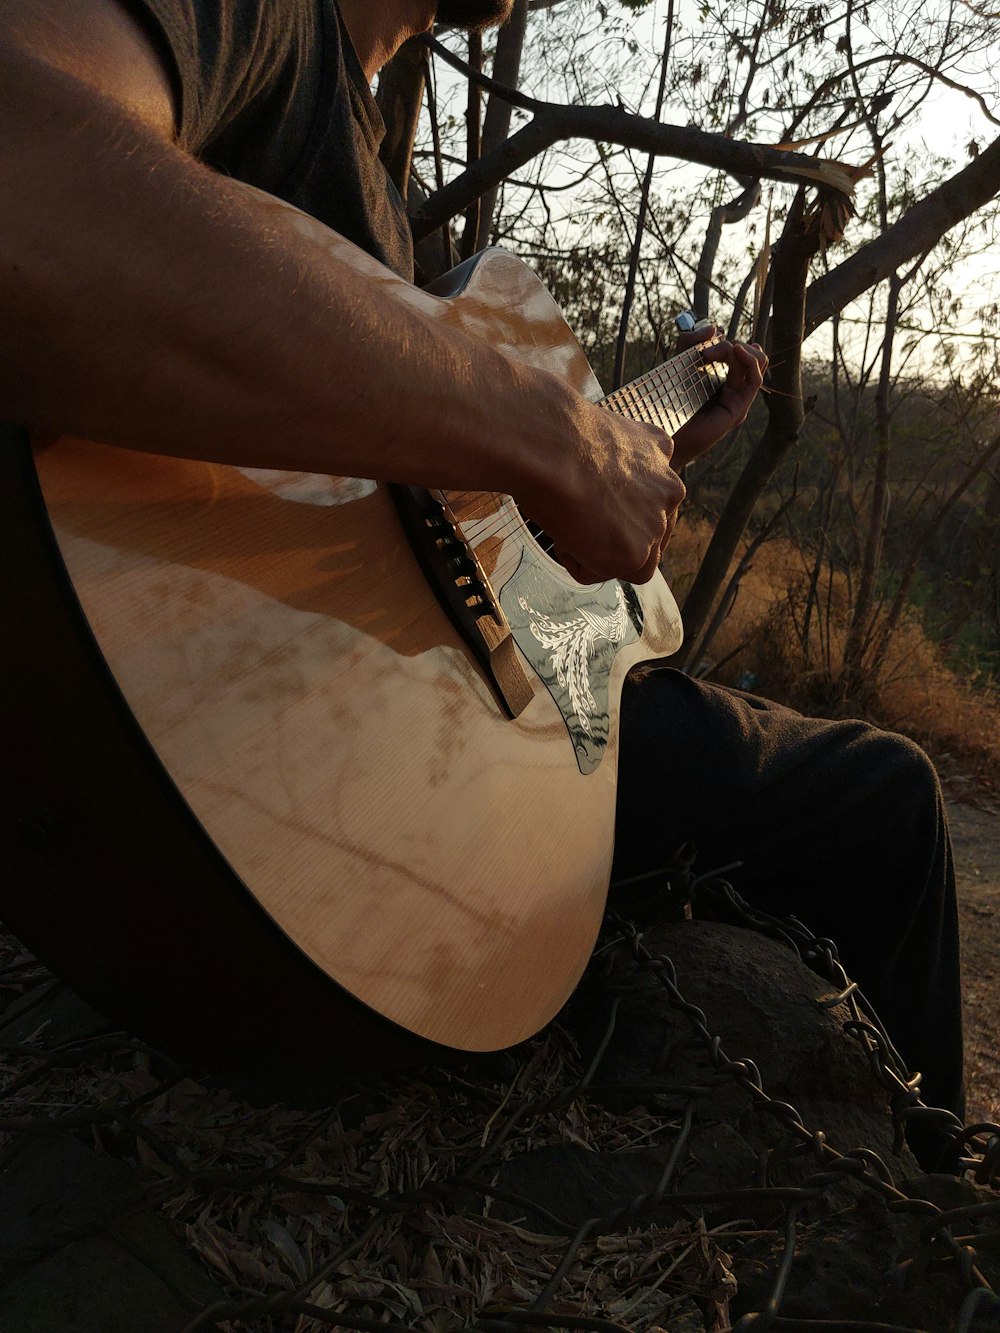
(746, 363)
(611, 505)
(206, 322)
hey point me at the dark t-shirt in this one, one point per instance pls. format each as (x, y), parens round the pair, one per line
(272, 93)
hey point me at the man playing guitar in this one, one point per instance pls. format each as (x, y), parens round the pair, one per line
(150, 301)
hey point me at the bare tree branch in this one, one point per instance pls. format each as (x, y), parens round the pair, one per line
(918, 230)
(735, 210)
(552, 122)
(785, 410)
(640, 224)
(473, 145)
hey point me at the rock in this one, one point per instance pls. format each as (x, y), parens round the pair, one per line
(762, 1001)
(576, 1185)
(55, 1191)
(53, 1015)
(92, 1286)
(847, 1267)
(80, 1248)
(719, 1160)
(145, 1236)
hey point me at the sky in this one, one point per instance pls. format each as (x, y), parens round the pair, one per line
(571, 37)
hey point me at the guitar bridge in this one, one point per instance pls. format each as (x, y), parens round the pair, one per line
(465, 593)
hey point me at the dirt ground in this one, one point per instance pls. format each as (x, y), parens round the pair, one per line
(976, 835)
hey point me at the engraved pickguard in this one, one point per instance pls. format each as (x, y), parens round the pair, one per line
(571, 636)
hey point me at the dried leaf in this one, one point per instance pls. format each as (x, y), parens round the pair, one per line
(723, 1289)
(287, 1248)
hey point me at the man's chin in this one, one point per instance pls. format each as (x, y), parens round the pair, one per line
(474, 14)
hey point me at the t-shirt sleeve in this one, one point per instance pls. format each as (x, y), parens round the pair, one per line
(238, 66)
(272, 93)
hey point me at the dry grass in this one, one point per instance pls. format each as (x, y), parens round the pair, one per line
(913, 690)
(269, 1197)
(352, 1210)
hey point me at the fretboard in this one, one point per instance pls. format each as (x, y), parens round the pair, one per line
(669, 395)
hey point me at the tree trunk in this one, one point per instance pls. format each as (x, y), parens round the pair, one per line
(496, 125)
(798, 245)
(735, 210)
(400, 93)
(859, 630)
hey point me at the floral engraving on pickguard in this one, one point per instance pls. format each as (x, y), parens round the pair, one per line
(570, 636)
(571, 644)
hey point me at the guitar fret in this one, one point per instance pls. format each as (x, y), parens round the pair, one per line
(630, 396)
(639, 405)
(653, 392)
(635, 403)
(668, 395)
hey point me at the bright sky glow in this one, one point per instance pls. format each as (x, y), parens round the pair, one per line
(576, 52)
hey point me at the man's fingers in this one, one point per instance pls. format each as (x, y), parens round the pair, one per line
(753, 357)
(574, 568)
(615, 521)
(720, 351)
(642, 574)
(748, 355)
(671, 524)
(746, 373)
(695, 336)
(745, 363)
(652, 563)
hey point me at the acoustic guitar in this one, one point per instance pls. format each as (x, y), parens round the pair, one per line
(309, 773)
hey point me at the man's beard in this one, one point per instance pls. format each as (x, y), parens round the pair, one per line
(474, 14)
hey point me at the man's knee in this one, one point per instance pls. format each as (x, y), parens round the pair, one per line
(903, 765)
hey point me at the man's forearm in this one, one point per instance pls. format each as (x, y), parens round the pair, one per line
(151, 303)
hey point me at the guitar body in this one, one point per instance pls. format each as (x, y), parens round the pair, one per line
(261, 776)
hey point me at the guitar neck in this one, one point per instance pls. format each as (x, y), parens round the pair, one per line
(671, 393)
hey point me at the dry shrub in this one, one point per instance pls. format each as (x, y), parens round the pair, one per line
(911, 689)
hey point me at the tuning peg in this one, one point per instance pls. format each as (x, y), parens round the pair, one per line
(685, 322)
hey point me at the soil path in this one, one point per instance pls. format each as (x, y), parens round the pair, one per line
(976, 836)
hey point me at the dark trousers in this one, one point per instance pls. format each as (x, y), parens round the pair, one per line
(837, 823)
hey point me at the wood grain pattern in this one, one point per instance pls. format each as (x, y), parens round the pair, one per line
(280, 648)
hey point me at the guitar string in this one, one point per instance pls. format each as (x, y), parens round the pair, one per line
(662, 379)
(638, 401)
(630, 401)
(641, 399)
